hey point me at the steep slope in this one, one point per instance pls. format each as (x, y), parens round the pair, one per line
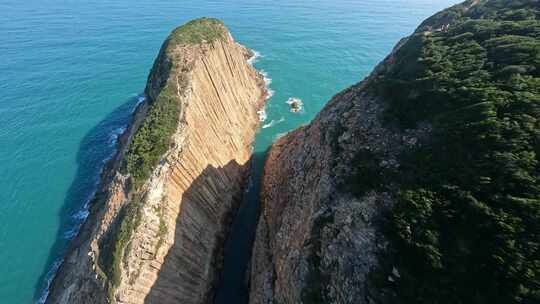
(158, 222)
(421, 183)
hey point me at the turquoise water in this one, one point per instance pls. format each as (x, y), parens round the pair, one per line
(71, 72)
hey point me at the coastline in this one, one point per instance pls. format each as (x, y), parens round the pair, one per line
(91, 207)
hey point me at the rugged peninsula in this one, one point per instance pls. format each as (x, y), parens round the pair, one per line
(420, 184)
(158, 222)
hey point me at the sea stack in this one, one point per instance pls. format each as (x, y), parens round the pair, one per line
(419, 184)
(159, 219)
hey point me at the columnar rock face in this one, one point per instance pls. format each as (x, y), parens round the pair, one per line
(168, 248)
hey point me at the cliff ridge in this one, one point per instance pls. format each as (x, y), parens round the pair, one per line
(158, 222)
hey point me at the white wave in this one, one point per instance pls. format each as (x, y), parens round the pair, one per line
(296, 104)
(113, 137)
(267, 83)
(262, 115)
(293, 100)
(279, 135)
(140, 99)
(254, 58)
(270, 93)
(267, 79)
(81, 215)
(48, 278)
(70, 234)
(273, 123)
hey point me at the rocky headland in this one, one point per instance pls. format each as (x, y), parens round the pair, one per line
(419, 184)
(161, 214)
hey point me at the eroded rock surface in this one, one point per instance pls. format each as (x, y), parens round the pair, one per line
(316, 242)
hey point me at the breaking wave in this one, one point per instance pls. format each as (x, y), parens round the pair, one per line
(296, 104)
(273, 123)
(80, 216)
(253, 59)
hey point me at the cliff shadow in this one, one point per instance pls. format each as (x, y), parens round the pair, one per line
(193, 264)
(96, 147)
(234, 279)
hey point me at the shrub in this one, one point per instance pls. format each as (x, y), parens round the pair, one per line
(466, 227)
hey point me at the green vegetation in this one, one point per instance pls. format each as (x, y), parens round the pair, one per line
(112, 250)
(153, 138)
(163, 229)
(197, 31)
(466, 227)
(367, 172)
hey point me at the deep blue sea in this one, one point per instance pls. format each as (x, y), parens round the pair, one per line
(71, 72)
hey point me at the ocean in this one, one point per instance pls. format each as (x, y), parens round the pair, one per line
(71, 72)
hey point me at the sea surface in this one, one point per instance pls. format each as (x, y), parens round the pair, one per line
(71, 72)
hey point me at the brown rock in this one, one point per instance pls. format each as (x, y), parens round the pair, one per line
(316, 242)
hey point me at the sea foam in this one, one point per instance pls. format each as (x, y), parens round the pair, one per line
(296, 104)
(48, 278)
(273, 123)
(262, 115)
(140, 99)
(267, 83)
(279, 135)
(253, 59)
(80, 216)
(113, 137)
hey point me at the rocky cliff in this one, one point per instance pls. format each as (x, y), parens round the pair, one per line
(316, 242)
(420, 184)
(158, 222)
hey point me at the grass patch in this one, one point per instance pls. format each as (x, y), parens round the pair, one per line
(198, 31)
(113, 249)
(163, 229)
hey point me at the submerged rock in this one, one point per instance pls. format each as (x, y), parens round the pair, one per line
(296, 104)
